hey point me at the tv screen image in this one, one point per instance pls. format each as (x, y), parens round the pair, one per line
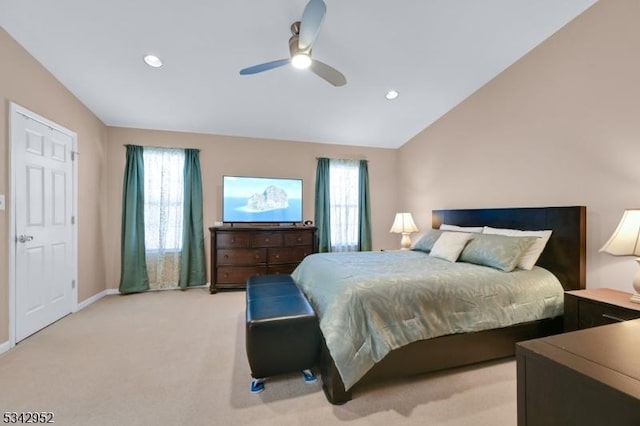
(261, 200)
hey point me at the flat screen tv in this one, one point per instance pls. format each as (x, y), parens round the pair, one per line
(261, 200)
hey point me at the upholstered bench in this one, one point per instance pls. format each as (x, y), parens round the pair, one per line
(282, 334)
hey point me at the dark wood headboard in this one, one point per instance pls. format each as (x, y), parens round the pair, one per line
(565, 253)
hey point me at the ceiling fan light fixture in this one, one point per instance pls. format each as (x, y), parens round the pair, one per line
(301, 61)
(303, 35)
(153, 61)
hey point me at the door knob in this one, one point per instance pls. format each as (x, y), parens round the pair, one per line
(25, 238)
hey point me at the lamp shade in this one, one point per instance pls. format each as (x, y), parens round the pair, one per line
(403, 224)
(625, 240)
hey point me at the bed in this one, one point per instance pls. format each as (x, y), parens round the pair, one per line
(562, 261)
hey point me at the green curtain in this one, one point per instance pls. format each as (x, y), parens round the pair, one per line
(364, 208)
(323, 205)
(133, 271)
(192, 262)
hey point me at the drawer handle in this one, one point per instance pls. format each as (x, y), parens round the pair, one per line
(299, 239)
(226, 256)
(611, 317)
(226, 275)
(257, 256)
(266, 240)
(277, 256)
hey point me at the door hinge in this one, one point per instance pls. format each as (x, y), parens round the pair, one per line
(73, 284)
(73, 220)
(73, 155)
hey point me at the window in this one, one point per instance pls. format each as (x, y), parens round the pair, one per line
(344, 193)
(163, 210)
(342, 205)
(163, 198)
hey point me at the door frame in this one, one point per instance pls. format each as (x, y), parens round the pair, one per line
(15, 109)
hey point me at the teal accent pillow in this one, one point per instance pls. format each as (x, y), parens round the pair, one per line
(426, 242)
(497, 251)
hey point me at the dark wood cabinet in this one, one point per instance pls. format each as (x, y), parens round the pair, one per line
(587, 377)
(595, 307)
(238, 253)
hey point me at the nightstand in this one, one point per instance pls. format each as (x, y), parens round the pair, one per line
(598, 306)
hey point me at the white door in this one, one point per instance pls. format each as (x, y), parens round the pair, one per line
(42, 174)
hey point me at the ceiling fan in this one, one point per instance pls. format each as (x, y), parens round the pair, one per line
(304, 35)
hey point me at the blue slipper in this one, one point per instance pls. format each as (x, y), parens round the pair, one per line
(309, 377)
(257, 386)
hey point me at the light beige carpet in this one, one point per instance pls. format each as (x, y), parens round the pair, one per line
(178, 358)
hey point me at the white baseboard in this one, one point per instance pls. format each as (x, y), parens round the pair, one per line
(112, 291)
(4, 347)
(96, 297)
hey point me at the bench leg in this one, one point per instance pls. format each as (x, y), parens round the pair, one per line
(257, 385)
(308, 376)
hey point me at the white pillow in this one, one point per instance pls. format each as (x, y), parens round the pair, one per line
(531, 256)
(449, 245)
(476, 229)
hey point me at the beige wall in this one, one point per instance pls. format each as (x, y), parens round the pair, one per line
(225, 155)
(559, 127)
(24, 81)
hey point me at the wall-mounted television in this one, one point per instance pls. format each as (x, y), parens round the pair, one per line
(261, 200)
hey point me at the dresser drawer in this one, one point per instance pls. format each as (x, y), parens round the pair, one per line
(241, 256)
(594, 314)
(232, 240)
(288, 254)
(266, 239)
(284, 268)
(302, 238)
(238, 274)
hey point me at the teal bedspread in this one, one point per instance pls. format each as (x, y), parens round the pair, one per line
(372, 302)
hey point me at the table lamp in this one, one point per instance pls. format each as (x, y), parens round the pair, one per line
(404, 224)
(625, 241)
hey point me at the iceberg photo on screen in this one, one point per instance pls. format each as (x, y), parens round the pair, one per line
(259, 199)
(272, 198)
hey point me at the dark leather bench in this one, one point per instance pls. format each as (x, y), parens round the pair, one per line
(282, 333)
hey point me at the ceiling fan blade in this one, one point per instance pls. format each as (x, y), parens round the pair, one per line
(264, 67)
(328, 73)
(312, 18)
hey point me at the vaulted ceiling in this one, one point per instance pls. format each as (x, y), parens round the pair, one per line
(435, 53)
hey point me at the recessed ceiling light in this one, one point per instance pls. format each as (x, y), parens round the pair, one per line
(391, 94)
(153, 61)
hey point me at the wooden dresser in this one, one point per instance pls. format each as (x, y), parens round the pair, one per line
(588, 377)
(240, 252)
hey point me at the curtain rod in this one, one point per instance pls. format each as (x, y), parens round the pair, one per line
(163, 147)
(354, 159)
